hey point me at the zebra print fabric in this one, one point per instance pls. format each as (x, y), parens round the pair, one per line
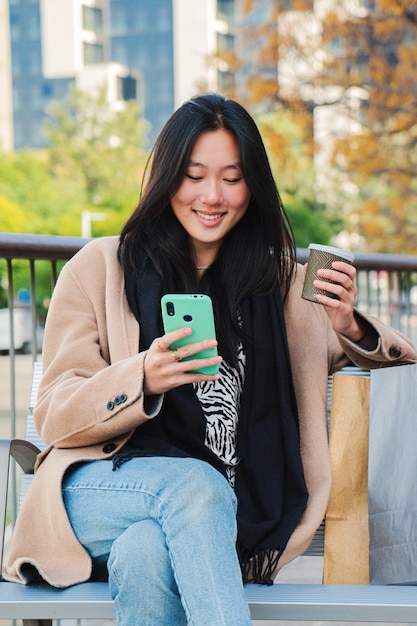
(220, 401)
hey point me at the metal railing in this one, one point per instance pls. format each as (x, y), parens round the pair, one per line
(387, 289)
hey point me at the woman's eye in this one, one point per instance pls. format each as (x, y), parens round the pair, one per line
(226, 180)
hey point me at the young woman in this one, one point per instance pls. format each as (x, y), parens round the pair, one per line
(179, 486)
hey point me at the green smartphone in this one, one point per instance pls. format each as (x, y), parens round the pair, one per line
(196, 311)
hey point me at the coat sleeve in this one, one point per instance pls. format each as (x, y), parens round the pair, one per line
(392, 348)
(92, 384)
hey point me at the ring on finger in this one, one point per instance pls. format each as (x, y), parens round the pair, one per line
(175, 355)
(350, 287)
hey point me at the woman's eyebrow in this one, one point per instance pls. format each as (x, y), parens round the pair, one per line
(235, 166)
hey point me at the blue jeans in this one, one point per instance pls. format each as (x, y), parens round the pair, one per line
(166, 528)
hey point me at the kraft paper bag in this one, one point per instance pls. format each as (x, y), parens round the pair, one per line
(392, 476)
(346, 539)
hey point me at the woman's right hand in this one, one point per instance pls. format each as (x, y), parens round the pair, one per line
(165, 369)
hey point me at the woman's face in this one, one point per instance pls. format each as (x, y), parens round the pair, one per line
(213, 196)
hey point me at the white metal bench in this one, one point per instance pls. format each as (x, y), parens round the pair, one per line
(39, 604)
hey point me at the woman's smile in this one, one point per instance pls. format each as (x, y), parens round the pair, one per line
(212, 219)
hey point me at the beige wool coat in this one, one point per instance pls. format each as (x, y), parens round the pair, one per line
(91, 399)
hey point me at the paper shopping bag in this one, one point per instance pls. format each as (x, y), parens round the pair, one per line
(346, 538)
(371, 522)
(392, 476)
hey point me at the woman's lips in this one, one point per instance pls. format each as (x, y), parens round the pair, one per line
(209, 217)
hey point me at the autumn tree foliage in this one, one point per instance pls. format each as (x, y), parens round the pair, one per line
(348, 69)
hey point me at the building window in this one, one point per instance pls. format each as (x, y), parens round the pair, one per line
(16, 66)
(119, 20)
(120, 54)
(225, 42)
(225, 81)
(163, 19)
(93, 53)
(34, 65)
(14, 28)
(141, 21)
(19, 135)
(162, 54)
(17, 102)
(33, 28)
(225, 10)
(126, 88)
(35, 97)
(92, 19)
(47, 91)
(140, 57)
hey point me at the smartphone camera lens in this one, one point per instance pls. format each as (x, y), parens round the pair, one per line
(170, 309)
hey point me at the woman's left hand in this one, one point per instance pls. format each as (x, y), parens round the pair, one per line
(341, 310)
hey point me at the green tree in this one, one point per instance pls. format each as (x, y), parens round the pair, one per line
(289, 147)
(12, 218)
(25, 180)
(99, 151)
(95, 162)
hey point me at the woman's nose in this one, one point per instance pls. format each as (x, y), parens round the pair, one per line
(211, 194)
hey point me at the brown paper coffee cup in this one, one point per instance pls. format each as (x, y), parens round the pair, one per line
(322, 257)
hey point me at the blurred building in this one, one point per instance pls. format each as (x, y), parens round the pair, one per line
(158, 52)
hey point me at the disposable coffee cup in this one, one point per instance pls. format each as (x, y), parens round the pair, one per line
(322, 257)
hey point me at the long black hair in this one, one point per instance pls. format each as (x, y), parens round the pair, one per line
(257, 252)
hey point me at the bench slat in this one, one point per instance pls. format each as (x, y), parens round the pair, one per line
(36, 379)
(349, 603)
(31, 434)
(298, 602)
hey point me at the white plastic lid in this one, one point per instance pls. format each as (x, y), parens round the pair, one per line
(344, 254)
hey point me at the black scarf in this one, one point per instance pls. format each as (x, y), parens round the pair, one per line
(270, 485)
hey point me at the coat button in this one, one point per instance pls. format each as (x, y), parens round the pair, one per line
(110, 406)
(109, 447)
(394, 352)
